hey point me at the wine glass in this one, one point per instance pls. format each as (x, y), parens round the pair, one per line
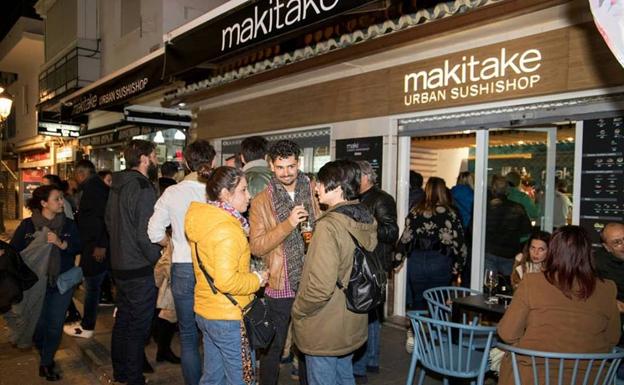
(490, 281)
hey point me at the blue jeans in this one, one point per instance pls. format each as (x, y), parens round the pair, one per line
(183, 290)
(368, 355)
(222, 352)
(136, 301)
(49, 329)
(426, 269)
(500, 265)
(330, 370)
(93, 287)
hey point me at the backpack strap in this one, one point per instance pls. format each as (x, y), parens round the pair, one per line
(357, 245)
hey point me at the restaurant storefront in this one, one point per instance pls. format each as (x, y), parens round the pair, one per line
(535, 78)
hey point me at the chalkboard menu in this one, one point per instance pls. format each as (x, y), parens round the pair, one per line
(370, 149)
(602, 175)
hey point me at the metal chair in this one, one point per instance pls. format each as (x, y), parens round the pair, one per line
(565, 368)
(438, 299)
(449, 349)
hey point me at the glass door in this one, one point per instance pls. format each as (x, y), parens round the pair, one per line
(515, 195)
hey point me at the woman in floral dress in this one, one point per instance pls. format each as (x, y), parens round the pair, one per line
(432, 242)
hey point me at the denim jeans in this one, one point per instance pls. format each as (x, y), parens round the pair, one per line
(426, 269)
(368, 355)
(222, 352)
(93, 287)
(136, 301)
(183, 290)
(330, 370)
(500, 265)
(49, 329)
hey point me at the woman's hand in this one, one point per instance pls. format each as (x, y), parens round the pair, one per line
(56, 241)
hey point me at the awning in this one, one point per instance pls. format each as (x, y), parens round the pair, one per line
(138, 120)
(248, 25)
(116, 88)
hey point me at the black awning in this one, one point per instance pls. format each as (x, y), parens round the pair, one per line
(249, 25)
(140, 79)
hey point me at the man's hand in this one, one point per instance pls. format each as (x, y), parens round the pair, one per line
(99, 253)
(297, 215)
(620, 306)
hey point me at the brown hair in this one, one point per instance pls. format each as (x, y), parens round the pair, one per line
(223, 177)
(543, 236)
(436, 194)
(135, 149)
(569, 265)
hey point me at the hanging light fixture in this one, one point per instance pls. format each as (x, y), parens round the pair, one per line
(6, 102)
(179, 135)
(159, 138)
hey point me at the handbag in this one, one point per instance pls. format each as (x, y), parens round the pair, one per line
(258, 325)
(69, 279)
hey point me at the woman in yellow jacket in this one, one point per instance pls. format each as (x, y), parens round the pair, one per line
(217, 232)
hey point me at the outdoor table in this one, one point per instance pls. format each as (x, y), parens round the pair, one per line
(477, 304)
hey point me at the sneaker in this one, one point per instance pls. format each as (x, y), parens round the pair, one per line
(75, 330)
(409, 343)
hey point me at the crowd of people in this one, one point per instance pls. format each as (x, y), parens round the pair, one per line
(189, 256)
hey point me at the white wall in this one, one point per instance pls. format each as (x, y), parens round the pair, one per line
(157, 18)
(445, 164)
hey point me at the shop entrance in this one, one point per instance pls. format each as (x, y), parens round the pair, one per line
(536, 162)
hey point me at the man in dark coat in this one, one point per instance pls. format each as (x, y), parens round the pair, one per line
(94, 259)
(383, 207)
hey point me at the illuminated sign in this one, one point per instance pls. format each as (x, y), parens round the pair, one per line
(58, 129)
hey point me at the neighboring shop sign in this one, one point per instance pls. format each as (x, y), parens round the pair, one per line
(251, 24)
(130, 84)
(116, 137)
(58, 129)
(369, 149)
(32, 178)
(602, 175)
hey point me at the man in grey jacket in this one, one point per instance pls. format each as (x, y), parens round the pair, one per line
(133, 256)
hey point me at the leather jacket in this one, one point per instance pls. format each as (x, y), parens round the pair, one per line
(383, 207)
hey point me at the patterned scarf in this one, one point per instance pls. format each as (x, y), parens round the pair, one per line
(293, 247)
(233, 212)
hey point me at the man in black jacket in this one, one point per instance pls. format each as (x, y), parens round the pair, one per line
(508, 227)
(94, 257)
(133, 256)
(383, 207)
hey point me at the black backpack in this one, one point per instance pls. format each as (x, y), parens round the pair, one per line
(367, 284)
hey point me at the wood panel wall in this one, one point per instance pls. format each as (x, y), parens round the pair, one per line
(574, 59)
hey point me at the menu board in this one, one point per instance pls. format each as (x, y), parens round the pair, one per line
(370, 149)
(602, 175)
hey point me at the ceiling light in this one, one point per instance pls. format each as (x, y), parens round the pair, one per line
(179, 135)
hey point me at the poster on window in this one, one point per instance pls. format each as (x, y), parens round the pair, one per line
(369, 149)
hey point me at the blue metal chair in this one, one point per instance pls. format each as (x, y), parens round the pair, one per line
(439, 300)
(564, 368)
(449, 349)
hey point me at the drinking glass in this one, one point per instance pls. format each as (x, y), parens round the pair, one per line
(306, 232)
(490, 281)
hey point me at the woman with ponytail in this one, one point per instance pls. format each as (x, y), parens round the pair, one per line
(217, 233)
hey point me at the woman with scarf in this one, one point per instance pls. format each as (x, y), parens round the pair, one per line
(217, 232)
(532, 258)
(46, 206)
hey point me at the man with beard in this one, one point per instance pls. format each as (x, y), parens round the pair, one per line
(275, 215)
(133, 256)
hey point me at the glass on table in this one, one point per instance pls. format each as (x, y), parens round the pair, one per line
(490, 281)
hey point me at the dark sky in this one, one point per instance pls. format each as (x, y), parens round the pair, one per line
(11, 10)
